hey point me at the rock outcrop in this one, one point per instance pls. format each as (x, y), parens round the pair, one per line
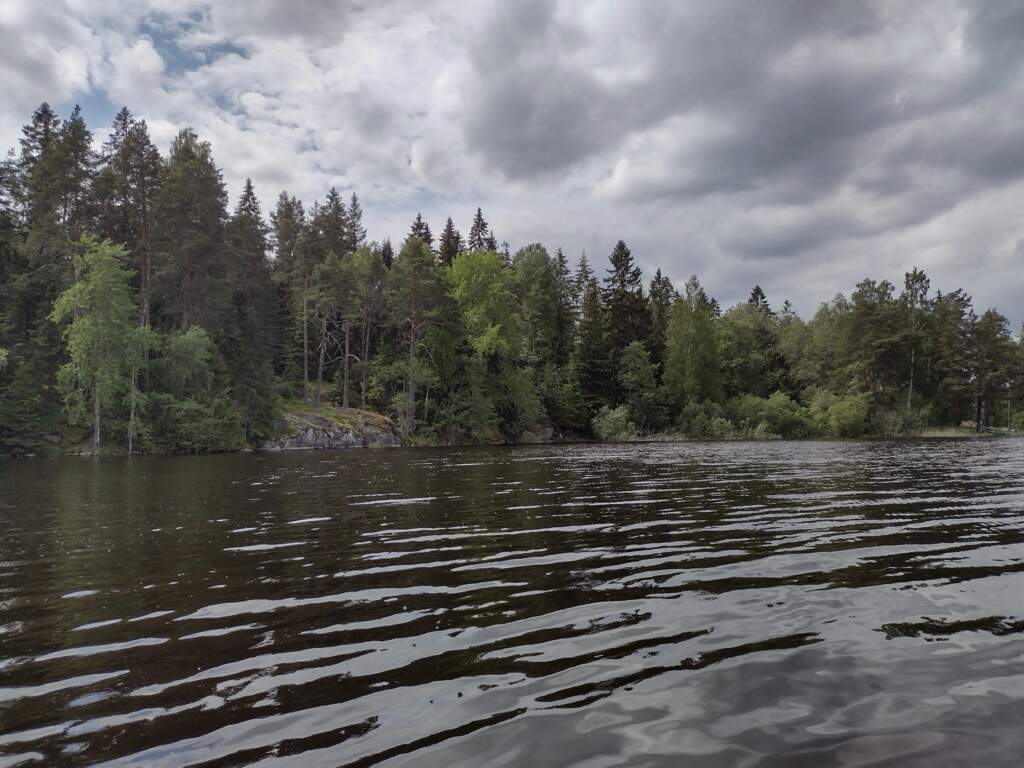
(333, 428)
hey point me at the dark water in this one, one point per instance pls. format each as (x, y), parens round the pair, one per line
(771, 604)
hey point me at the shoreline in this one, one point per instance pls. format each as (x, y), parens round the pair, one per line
(121, 451)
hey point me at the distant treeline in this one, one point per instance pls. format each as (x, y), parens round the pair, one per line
(135, 304)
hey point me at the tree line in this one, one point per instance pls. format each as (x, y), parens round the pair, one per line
(138, 302)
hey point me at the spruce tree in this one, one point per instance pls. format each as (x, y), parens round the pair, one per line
(421, 231)
(759, 301)
(249, 339)
(627, 312)
(333, 224)
(479, 234)
(124, 194)
(188, 241)
(591, 363)
(356, 231)
(565, 312)
(450, 244)
(288, 220)
(662, 294)
(387, 254)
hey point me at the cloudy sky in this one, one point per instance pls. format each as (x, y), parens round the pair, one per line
(799, 145)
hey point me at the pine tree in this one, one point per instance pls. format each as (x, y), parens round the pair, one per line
(188, 240)
(759, 301)
(249, 340)
(627, 311)
(356, 231)
(416, 290)
(479, 234)
(565, 312)
(332, 222)
(662, 294)
(591, 364)
(583, 277)
(125, 192)
(288, 221)
(51, 184)
(450, 244)
(387, 254)
(421, 231)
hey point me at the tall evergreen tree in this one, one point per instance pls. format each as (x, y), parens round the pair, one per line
(421, 231)
(356, 231)
(416, 290)
(592, 362)
(249, 340)
(480, 237)
(450, 244)
(332, 222)
(288, 220)
(125, 192)
(188, 240)
(565, 312)
(759, 301)
(662, 294)
(623, 296)
(387, 254)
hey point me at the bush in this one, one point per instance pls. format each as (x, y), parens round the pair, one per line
(774, 416)
(845, 416)
(614, 424)
(704, 419)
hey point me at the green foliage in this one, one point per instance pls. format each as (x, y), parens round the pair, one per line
(692, 363)
(484, 290)
(105, 344)
(705, 420)
(841, 416)
(775, 415)
(614, 424)
(189, 408)
(187, 337)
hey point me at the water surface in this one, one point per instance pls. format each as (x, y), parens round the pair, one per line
(730, 604)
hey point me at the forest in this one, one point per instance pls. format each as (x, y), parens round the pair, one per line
(144, 307)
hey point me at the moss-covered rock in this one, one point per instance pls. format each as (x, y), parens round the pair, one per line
(304, 426)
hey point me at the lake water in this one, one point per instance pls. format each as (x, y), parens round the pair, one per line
(728, 604)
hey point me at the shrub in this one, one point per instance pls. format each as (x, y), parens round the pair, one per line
(614, 424)
(845, 416)
(774, 416)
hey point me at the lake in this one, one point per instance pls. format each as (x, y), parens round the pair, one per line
(697, 604)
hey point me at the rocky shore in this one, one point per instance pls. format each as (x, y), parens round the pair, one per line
(329, 427)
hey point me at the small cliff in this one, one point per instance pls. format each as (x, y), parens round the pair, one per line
(304, 426)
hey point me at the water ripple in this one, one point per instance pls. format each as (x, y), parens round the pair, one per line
(638, 605)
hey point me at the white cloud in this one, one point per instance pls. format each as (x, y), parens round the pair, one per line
(796, 146)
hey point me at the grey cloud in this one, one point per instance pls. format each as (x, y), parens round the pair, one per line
(746, 141)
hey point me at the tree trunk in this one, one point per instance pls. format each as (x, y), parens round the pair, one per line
(305, 340)
(320, 367)
(410, 405)
(363, 384)
(96, 420)
(131, 413)
(910, 389)
(345, 367)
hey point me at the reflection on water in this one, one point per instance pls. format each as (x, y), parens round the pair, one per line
(728, 604)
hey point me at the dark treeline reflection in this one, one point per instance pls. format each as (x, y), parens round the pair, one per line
(731, 603)
(185, 322)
